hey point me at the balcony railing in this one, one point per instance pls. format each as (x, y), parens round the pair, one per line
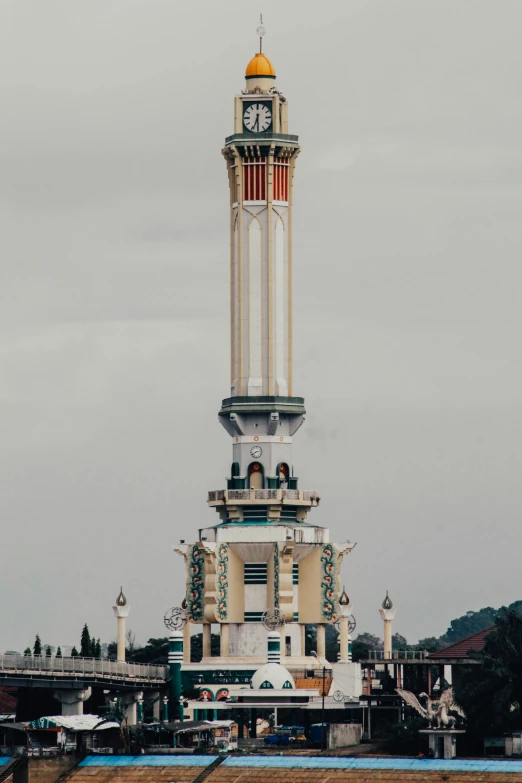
(274, 495)
(398, 655)
(43, 664)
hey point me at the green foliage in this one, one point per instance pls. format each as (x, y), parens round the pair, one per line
(155, 651)
(404, 738)
(97, 649)
(74, 652)
(331, 642)
(491, 694)
(27, 652)
(37, 647)
(362, 645)
(59, 652)
(196, 647)
(48, 651)
(85, 642)
(430, 643)
(469, 624)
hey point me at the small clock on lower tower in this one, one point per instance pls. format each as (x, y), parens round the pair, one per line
(256, 452)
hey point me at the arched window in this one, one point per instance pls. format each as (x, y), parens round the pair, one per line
(255, 476)
(283, 475)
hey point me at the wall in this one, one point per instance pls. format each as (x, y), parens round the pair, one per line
(48, 770)
(342, 734)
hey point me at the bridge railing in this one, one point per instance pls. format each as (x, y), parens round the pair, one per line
(44, 664)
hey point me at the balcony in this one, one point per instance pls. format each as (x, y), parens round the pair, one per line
(241, 497)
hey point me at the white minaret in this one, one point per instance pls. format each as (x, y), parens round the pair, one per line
(387, 615)
(344, 610)
(121, 611)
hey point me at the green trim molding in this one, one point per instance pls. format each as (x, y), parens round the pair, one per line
(222, 583)
(196, 583)
(329, 579)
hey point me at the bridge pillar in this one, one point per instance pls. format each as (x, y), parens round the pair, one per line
(72, 700)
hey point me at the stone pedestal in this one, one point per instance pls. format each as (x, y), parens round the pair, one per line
(443, 742)
(72, 700)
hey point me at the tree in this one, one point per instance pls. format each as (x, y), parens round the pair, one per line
(155, 651)
(130, 637)
(37, 647)
(469, 624)
(97, 649)
(331, 641)
(430, 643)
(48, 651)
(92, 648)
(74, 652)
(363, 644)
(196, 647)
(399, 642)
(27, 652)
(85, 642)
(59, 652)
(491, 694)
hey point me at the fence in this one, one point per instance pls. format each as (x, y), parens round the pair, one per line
(43, 664)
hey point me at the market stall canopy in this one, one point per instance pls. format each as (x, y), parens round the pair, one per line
(73, 723)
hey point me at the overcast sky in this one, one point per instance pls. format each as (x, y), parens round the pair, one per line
(114, 350)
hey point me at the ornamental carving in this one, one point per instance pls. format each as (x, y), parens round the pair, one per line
(222, 583)
(329, 577)
(195, 583)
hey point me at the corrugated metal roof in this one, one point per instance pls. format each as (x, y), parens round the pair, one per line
(148, 761)
(73, 723)
(426, 765)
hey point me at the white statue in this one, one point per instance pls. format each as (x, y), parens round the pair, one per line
(436, 712)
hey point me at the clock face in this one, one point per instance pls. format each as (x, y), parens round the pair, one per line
(257, 117)
(256, 451)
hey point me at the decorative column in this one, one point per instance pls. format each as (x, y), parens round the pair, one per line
(321, 642)
(344, 611)
(121, 611)
(274, 647)
(175, 661)
(223, 640)
(387, 614)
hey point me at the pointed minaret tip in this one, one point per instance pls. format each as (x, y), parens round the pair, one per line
(387, 603)
(121, 600)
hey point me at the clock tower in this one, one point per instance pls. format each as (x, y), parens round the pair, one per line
(263, 554)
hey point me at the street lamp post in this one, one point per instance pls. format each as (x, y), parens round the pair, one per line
(322, 709)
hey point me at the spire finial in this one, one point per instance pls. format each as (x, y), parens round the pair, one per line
(344, 599)
(387, 603)
(121, 600)
(261, 31)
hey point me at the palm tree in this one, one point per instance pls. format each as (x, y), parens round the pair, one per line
(491, 693)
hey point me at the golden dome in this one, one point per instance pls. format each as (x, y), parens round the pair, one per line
(260, 66)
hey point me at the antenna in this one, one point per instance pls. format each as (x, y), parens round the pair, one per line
(261, 31)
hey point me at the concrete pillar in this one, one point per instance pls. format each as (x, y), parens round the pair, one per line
(121, 610)
(186, 643)
(387, 613)
(207, 632)
(72, 700)
(274, 647)
(156, 706)
(303, 638)
(175, 661)
(223, 640)
(321, 640)
(343, 639)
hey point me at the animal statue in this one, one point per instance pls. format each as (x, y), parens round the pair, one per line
(438, 713)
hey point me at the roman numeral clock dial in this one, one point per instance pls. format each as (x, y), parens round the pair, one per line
(257, 117)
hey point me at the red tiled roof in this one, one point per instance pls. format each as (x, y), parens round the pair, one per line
(462, 648)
